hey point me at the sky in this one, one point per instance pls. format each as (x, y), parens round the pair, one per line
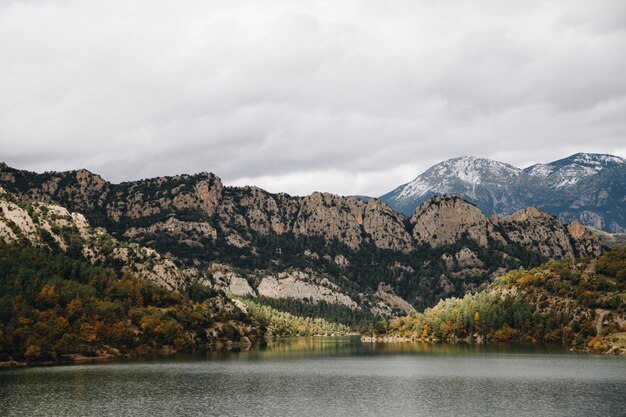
(350, 97)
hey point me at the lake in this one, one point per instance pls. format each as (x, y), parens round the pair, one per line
(329, 377)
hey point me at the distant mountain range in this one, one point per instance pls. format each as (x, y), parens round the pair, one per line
(590, 188)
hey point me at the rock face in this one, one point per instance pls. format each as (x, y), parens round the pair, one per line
(447, 247)
(329, 216)
(195, 209)
(446, 220)
(225, 279)
(390, 303)
(200, 193)
(533, 228)
(539, 231)
(466, 258)
(54, 226)
(386, 227)
(302, 286)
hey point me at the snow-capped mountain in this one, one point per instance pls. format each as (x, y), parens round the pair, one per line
(477, 179)
(569, 171)
(501, 188)
(467, 171)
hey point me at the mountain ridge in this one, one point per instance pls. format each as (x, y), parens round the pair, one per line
(318, 247)
(502, 188)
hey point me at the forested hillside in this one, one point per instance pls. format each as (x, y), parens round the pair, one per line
(577, 303)
(58, 308)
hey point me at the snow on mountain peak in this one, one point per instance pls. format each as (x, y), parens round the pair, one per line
(444, 177)
(570, 170)
(474, 170)
(501, 188)
(595, 159)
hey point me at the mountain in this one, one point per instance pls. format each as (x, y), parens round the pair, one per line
(597, 201)
(586, 187)
(482, 181)
(321, 249)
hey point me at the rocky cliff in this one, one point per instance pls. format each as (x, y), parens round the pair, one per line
(54, 227)
(445, 220)
(447, 247)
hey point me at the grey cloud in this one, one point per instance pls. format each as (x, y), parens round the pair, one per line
(345, 97)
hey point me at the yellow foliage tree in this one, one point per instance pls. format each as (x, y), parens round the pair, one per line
(33, 352)
(47, 296)
(75, 308)
(88, 332)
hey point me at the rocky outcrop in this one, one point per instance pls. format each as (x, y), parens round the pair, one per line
(445, 220)
(303, 286)
(54, 226)
(227, 280)
(391, 303)
(466, 258)
(539, 231)
(533, 228)
(584, 242)
(199, 194)
(258, 210)
(188, 233)
(196, 209)
(386, 227)
(329, 216)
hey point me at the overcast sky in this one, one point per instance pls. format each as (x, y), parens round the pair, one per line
(351, 97)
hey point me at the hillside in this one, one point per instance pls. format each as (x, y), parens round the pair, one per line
(55, 309)
(24, 222)
(73, 293)
(581, 304)
(588, 188)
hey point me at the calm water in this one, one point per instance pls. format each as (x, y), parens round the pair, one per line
(329, 377)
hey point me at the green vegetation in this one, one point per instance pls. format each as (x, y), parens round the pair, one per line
(581, 304)
(417, 282)
(356, 319)
(286, 324)
(54, 306)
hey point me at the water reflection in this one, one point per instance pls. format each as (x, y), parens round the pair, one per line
(329, 376)
(311, 347)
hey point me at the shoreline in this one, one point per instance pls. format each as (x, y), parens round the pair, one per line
(607, 349)
(110, 354)
(113, 355)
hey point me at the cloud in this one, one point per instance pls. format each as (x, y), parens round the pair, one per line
(351, 97)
